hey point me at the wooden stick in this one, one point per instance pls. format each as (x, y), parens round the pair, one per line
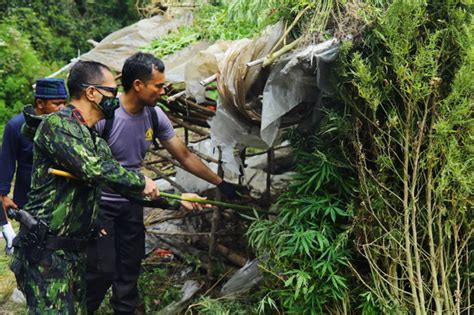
(203, 156)
(178, 217)
(231, 255)
(209, 80)
(215, 222)
(176, 96)
(288, 30)
(200, 107)
(166, 158)
(160, 160)
(270, 158)
(189, 110)
(186, 125)
(200, 139)
(194, 121)
(165, 177)
(270, 58)
(61, 173)
(226, 250)
(255, 62)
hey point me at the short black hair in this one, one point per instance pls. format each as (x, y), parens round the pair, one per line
(84, 72)
(140, 66)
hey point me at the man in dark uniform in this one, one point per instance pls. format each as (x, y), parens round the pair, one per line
(16, 156)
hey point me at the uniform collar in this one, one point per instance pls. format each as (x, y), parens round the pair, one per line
(78, 115)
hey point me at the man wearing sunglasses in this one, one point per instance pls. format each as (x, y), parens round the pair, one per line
(51, 272)
(115, 260)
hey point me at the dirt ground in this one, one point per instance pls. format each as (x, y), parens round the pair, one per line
(7, 284)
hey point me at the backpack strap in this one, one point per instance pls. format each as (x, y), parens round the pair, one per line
(154, 123)
(109, 123)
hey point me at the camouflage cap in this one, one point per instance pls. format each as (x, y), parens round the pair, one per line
(50, 88)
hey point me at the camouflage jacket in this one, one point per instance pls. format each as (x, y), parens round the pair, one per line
(69, 206)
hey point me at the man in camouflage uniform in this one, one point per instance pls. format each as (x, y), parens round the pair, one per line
(52, 274)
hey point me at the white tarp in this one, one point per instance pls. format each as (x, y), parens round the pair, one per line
(292, 92)
(301, 77)
(118, 46)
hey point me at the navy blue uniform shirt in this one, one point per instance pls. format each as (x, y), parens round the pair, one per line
(16, 157)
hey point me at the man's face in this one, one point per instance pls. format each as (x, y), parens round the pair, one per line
(103, 95)
(96, 92)
(150, 92)
(48, 106)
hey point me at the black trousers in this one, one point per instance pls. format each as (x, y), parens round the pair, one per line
(115, 259)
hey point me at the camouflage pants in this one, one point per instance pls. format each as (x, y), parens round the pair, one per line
(53, 285)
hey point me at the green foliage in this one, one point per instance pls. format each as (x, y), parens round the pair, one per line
(38, 37)
(264, 12)
(316, 15)
(157, 290)
(59, 29)
(173, 42)
(409, 86)
(209, 306)
(211, 22)
(306, 245)
(20, 65)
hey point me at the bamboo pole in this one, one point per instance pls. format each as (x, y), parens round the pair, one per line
(167, 195)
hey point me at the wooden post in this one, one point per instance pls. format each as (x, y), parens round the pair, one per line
(270, 158)
(186, 131)
(215, 223)
(243, 155)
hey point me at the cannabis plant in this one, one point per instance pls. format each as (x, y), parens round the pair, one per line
(409, 84)
(305, 247)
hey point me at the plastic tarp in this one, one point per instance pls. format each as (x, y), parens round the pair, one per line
(176, 64)
(118, 46)
(203, 65)
(255, 103)
(243, 280)
(239, 85)
(299, 78)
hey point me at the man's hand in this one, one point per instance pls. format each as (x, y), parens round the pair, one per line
(151, 190)
(231, 191)
(189, 205)
(8, 235)
(8, 203)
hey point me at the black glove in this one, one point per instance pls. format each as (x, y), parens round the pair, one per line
(228, 189)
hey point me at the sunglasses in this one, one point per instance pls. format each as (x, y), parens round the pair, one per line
(112, 90)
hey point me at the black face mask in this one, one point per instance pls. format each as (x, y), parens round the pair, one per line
(108, 105)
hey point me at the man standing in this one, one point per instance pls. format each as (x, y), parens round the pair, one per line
(52, 270)
(116, 258)
(16, 156)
